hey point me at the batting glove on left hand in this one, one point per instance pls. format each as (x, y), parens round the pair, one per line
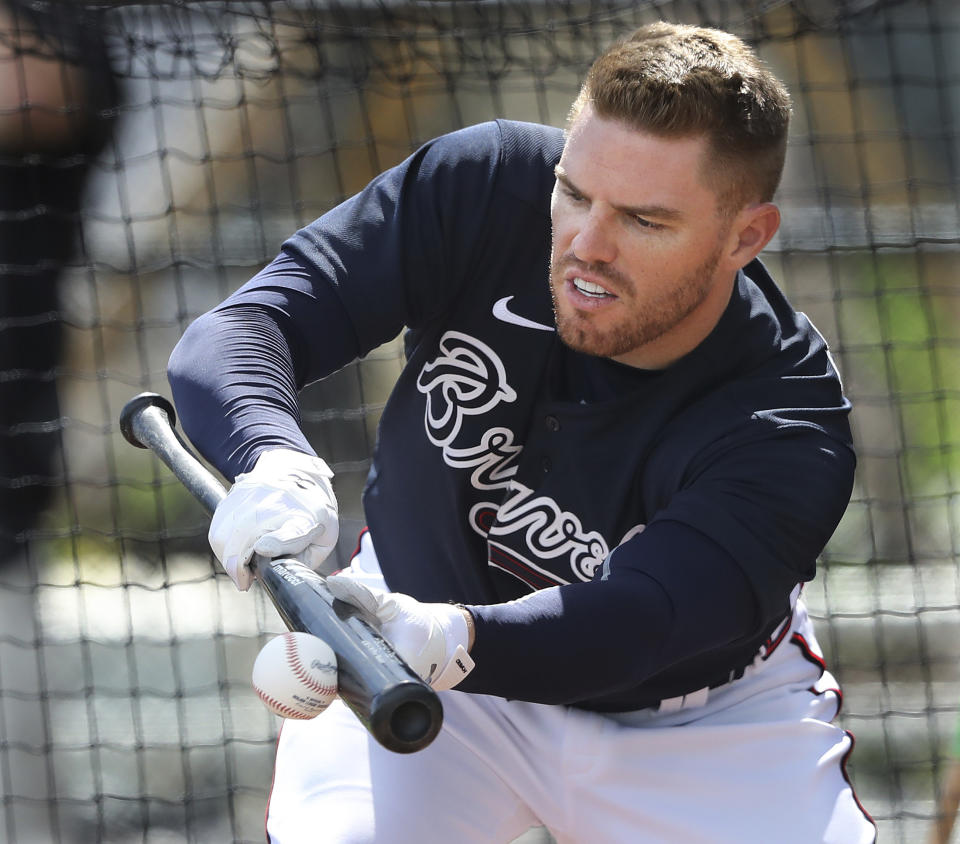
(283, 507)
(431, 638)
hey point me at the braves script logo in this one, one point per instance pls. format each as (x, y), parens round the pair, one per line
(468, 378)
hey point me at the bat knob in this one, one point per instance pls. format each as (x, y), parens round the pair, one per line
(406, 717)
(415, 724)
(137, 405)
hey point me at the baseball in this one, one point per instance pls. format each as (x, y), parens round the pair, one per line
(295, 675)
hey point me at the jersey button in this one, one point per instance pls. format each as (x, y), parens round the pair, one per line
(547, 464)
(553, 424)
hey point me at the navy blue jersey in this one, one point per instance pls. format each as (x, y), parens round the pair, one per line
(648, 528)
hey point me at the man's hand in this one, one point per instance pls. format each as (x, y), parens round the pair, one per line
(432, 638)
(283, 507)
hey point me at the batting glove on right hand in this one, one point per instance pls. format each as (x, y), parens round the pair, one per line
(432, 638)
(283, 507)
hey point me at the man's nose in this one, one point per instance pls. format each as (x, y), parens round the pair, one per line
(593, 242)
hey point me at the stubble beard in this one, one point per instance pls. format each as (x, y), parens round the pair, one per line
(644, 323)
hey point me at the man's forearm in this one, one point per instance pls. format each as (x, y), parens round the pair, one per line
(234, 387)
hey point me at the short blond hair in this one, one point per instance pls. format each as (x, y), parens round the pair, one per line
(675, 80)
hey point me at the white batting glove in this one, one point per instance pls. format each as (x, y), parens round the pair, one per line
(283, 507)
(432, 638)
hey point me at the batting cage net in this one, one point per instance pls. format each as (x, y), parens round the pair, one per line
(154, 156)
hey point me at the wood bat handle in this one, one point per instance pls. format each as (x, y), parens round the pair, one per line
(396, 706)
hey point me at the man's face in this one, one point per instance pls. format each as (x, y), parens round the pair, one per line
(639, 271)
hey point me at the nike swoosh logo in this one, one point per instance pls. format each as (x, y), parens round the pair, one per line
(504, 314)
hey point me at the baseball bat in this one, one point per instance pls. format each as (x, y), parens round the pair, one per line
(398, 708)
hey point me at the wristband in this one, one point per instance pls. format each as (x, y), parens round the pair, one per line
(471, 625)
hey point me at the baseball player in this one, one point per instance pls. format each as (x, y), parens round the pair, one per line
(610, 462)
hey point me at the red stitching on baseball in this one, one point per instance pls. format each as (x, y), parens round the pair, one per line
(293, 658)
(283, 710)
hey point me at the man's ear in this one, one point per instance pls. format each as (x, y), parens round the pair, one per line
(751, 231)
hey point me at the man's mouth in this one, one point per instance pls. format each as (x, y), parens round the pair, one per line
(591, 290)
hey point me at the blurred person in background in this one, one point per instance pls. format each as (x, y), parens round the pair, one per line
(57, 106)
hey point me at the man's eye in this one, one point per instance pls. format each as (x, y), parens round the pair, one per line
(646, 224)
(574, 196)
